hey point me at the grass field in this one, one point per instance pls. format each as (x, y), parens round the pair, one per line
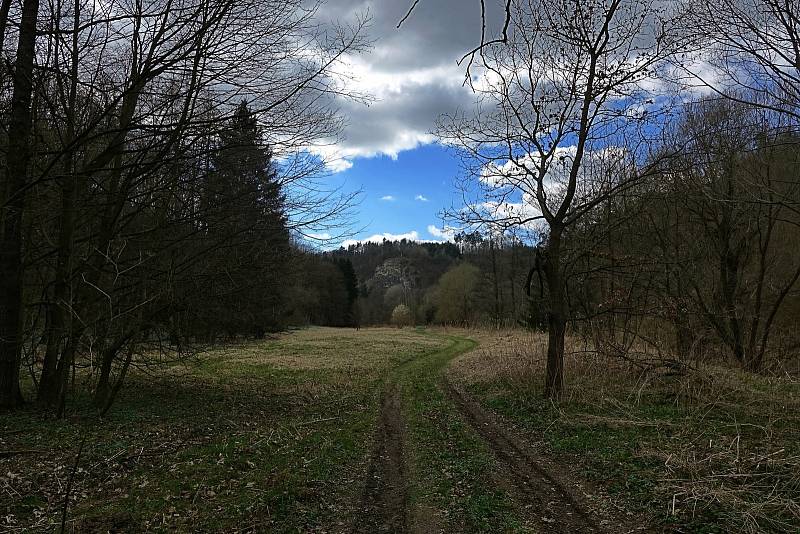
(712, 450)
(336, 430)
(271, 435)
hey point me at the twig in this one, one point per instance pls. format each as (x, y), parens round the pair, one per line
(316, 421)
(69, 486)
(410, 10)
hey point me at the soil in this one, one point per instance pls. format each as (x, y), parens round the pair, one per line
(553, 506)
(385, 498)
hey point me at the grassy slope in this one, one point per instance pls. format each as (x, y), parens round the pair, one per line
(715, 451)
(272, 435)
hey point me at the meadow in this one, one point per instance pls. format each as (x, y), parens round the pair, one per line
(409, 430)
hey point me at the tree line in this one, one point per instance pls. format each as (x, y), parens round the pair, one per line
(631, 176)
(653, 146)
(156, 171)
(478, 278)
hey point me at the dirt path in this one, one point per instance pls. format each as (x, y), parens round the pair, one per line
(553, 506)
(383, 504)
(549, 505)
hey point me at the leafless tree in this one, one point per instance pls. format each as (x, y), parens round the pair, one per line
(747, 48)
(561, 104)
(13, 204)
(128, 99)
(733, 255)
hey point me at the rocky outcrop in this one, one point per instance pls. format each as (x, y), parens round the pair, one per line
(396, 271)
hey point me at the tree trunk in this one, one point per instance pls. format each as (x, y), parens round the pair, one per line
(52, 385)
(497, 312)
(556, 317)
(103, 390)
(19, 131)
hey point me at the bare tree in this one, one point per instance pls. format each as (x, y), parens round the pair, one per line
(748, 48)
(130, 104)
(13, 189)
(733, 254)
(560, 98)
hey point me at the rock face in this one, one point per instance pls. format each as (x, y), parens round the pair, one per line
(396, 271)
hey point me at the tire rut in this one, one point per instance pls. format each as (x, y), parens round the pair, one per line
(384, 501)
(554, 507)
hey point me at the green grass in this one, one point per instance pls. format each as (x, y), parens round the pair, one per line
(452, 478)
(270, 435)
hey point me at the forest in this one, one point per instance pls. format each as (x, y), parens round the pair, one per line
(626, 243)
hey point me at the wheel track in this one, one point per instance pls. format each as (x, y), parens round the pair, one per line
(384, 502)
(556, 509)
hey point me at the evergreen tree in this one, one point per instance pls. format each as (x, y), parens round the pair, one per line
(351, 286)
(245, 222)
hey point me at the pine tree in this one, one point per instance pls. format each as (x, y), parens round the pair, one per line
(246, 223)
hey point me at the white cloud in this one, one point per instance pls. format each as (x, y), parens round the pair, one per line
(599, 169)
(447, 233)
(410, 74)
(388, 198)
(368, 76)
(338, 156)
(421, 198)
(338, 164)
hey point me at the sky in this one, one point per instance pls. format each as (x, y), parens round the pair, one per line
(388, 150)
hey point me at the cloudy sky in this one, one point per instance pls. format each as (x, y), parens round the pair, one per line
(412, 74)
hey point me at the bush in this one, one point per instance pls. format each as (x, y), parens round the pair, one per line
(402, 316)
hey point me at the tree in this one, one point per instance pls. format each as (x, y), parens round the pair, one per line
(351, 286)
(753, 49)
(133, 101)
(732, 253)
(456, 295)
(554, 135)
(13, 190)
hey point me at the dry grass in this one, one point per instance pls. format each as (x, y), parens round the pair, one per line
(321, 348)
(721, 447)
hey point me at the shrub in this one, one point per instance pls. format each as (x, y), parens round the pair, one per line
(402, 316)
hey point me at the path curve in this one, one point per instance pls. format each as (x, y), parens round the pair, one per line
(384, 505)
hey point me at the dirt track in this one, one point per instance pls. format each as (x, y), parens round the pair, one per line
(549, 505)
(383, 504)
(553, 507)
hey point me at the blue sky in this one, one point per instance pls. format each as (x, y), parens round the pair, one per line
(403, 194)
(412, 77)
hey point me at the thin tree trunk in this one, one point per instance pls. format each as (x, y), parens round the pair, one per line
(556, 317)
(497, 312)
(103, 391)
(17, 161)
(513, 279)
(5, 7)
(114, 391)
